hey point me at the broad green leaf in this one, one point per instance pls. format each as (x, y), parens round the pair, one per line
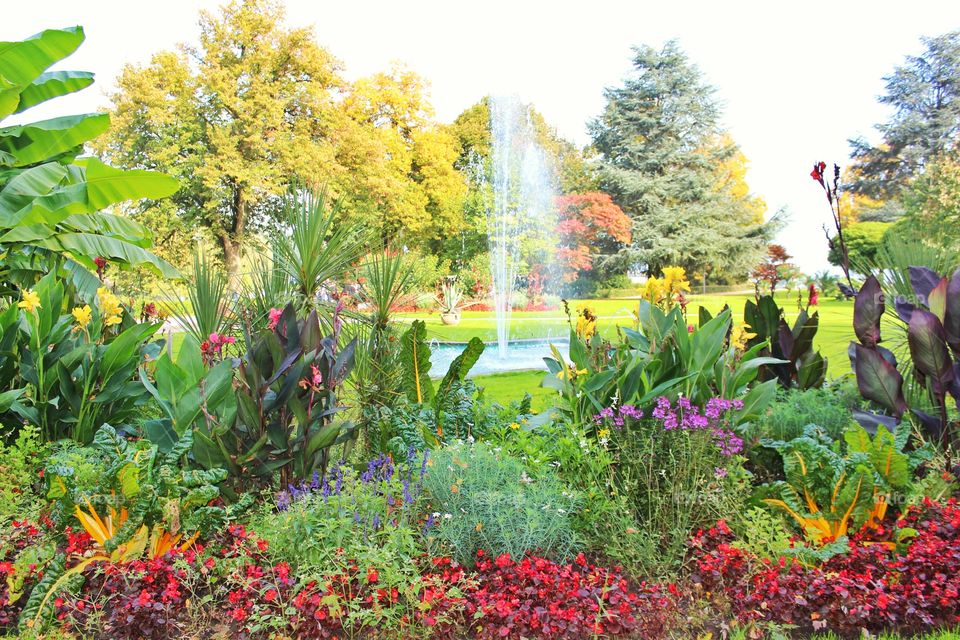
(107, 185)
(92, 245)
(40, 141)
(460, 367)
(415, 358)
(22, 62)
(53, 84)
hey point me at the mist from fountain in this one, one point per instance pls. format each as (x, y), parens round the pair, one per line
(522, 208)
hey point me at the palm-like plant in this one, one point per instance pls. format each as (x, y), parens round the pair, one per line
(268, 287)
(210, 309)
(315, 248)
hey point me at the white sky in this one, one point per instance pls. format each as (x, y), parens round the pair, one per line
(796, 79)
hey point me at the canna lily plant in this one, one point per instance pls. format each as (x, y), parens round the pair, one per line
(932, 319)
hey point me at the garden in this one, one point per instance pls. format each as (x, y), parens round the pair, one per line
(239, 401)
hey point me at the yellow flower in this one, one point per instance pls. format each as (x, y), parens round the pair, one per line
(653, 289)
(675, 280)
(82, 315)
(514, 426)
(110, 307)
(30, 301)
(586, 323)
(570, 373)
(603, 433)
(740, 335)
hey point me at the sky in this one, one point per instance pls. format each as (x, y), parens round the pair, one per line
(796, 80)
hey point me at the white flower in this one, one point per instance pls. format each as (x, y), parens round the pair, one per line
(447, 516)
(524, 478)
(560, 511)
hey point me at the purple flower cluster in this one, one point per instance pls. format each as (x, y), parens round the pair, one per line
(712, 417)
(378, 495)
(618, 415)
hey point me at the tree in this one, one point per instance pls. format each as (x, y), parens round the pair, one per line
(863, 240)
(417, 191)
(774, 268)
(662, 150)
(932, 204)
(256, 106)
(590, 225)
(924, 93)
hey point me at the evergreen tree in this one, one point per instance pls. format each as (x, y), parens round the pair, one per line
(662, 150)
(924, 93)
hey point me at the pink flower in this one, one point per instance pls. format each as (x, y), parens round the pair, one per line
(317, 378)
(274, 318)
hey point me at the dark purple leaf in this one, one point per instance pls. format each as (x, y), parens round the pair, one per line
(868, 308)
(932, 426)
(928, 348)
(951, 319)
(923, 280)
(879, 381)
(904, 309)
(870, 421)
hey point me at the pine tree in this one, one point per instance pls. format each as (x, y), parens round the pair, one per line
(924, 93)
(662, 150)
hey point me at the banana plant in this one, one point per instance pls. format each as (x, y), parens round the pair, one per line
(51, 201)
(932, 323)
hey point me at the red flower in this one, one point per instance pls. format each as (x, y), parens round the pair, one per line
(372, 575)
(817, 173)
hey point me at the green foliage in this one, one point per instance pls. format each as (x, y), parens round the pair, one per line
(318, 247)
(50, 200)
(485, 500)
(415, 358)
(605, 522)
(155, 487)
(829, 408)
(85, 376)
(208, 308)
(20, 465)
(863, 241)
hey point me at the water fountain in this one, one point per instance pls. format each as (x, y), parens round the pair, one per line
(522, 209)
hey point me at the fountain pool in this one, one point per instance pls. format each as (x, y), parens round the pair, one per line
(523, 355)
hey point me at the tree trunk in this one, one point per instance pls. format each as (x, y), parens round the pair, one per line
(231, 239)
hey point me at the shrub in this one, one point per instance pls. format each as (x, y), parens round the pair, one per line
(483, 499)
(829, 408)
(871, 587)
(20, 465)
(535, 597)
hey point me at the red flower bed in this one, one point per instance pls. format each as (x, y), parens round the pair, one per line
(538, 598)
(871, 587)
(17, 579)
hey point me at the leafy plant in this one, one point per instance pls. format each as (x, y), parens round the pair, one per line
(419, 388)
(287, 403)
(134, 477)
(933, 337)
(450, 297)
(661, 358)
(208, 309)
(50, 201)
(801, 366)
(831, 493)
(318, 246)
(81, 366)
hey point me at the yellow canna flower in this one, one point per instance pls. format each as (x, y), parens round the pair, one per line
(82, 315)
(30, 301)
(653, 289)
(675, 279)
(586, 323)
(110, 307)
(740, 335)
